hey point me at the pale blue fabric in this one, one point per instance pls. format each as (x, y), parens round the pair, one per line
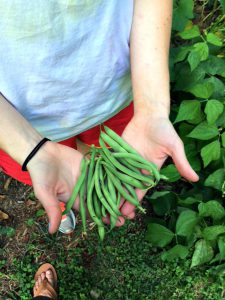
(65, 64)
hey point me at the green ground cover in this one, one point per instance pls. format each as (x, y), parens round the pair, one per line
(125, 266)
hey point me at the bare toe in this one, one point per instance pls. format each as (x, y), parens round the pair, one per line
(43, 276)
(49, 276)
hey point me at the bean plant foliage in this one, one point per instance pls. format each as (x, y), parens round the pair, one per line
(191, 221)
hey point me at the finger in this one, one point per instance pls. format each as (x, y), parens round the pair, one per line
(120, 221)
(76, 205)
(182, 164)
(131, 216)
(65, 199)
(52, 208)
(127, 209)
(122, 201)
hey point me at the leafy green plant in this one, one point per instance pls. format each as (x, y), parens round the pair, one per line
(195, 216)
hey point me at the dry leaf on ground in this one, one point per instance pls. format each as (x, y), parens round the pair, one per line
(3, 216)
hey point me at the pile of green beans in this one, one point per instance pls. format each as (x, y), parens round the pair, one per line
(108, 175)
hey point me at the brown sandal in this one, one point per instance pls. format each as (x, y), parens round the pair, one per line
(45, 285)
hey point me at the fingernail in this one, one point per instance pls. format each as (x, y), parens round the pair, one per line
(49, 225)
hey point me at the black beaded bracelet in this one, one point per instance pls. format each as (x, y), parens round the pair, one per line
(33, 152)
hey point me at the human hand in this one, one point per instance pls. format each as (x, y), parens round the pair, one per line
(156, 139)
(54, 171)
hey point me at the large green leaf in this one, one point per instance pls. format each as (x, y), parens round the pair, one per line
(221, 255)
(194, 59)
(214, 39)
(202, 90)
(190, 32)
(182, 12)
(210, 152)
(223, 5)
(199, 52)
(188, 201)
(195, 163)
(203, 253)
(204, 131)
(211, 209)
(178, 251)
(163, 202)
(212, 232)
(216, 179)
(181, 54)
(223, 139)
(213, 110)
(159, 235)
(171, 173)
(220, 122)
(185, 79)
(191, 149)
(221, 245)
(189, 110)
(186, 223)
(218, 87)
(214, 65)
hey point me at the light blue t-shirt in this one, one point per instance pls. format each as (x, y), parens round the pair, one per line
(65, 64)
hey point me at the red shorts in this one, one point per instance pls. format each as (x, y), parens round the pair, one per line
(89, 137)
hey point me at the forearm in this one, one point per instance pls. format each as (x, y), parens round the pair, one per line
(150, 40)
(17, 136)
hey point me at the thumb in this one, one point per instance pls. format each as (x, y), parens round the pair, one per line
(52, 208)
(184, 168)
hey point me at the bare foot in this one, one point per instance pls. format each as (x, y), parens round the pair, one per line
(39, 284)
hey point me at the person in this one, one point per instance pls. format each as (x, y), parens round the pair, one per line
(68, 66)
(45, 287)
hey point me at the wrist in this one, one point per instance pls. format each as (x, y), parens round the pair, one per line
(44, 155)
(147, 108)
(33, 153)
(22, 145)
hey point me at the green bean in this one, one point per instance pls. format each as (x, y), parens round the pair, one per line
(82, 206)
(106, 193)
(97, 206)
(127, 164)
(90, 206)
(99, 192)
(76, 189)
(112, 193)
(121, 190)
(139, 162)
(122, 168)
(110, 197)
(125, 178)
(113, 221)
(101, 232)
(131, 190)
(103, 211)
(92, 201)
(118, 149)
(120, 140)
(111, 189)
(91, 167)
(114, 144)
(118, 199)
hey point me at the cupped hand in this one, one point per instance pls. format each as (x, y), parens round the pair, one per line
(156, 139)
(54, 171)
